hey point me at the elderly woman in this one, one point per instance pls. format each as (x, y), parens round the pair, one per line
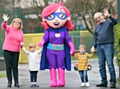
(11, 47)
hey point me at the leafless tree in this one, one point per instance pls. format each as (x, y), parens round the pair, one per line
(81, 8)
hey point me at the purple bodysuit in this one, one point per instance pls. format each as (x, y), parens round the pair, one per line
(56, 36)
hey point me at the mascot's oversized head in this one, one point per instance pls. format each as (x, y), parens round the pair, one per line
(56, 16)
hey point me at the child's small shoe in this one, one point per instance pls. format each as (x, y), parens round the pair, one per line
(87, 84)
(36, 85)
(31, 85)
(82, 84)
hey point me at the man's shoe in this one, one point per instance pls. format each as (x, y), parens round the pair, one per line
(112, 86)
(101, 85)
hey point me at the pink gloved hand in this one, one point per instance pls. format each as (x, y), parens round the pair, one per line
(72, 48)
(41, 43)
(22, 44)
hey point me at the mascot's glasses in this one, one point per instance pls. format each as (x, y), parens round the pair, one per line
(60, 15)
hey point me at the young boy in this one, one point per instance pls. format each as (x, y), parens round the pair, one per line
(34, 62)
(82, 57)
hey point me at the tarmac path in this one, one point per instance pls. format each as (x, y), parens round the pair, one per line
(72, 78)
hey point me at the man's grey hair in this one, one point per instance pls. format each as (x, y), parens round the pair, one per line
(97, 13)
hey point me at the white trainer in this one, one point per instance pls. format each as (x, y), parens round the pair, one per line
(87, 84)
(82, 84)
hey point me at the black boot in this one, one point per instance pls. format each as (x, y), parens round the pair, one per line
(17, 84)
(101, 85)
(15, 75)
(112, 86)
(9, 77)
(9, 84)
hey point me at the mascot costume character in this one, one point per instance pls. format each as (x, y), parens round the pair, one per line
(56, 42)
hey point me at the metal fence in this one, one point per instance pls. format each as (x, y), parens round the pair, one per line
(35, 38)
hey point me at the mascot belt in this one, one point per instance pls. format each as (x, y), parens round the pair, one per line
(55, 46)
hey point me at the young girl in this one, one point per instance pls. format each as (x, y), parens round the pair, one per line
(56, 42)
(82, 57)
(34, 59)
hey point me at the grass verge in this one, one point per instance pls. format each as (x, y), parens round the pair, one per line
(2, 75)
(118, 81)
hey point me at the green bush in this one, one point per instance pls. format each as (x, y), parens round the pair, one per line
(117, 42)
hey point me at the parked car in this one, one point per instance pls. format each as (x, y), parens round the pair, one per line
(76, 66)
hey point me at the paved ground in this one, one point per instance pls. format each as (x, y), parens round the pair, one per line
(72, 78)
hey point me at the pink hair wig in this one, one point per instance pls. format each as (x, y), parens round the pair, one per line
(48, 10)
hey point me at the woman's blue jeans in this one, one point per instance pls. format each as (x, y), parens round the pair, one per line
(83, 75)
(106, 54)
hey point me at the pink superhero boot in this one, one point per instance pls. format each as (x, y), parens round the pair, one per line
(61, 81)
(53, 81)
